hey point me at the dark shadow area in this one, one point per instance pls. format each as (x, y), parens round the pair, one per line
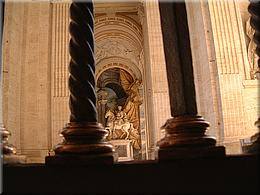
(228, 175)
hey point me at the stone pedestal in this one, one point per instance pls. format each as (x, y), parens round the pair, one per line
(185, 138)
(124, 149)
(14, 159)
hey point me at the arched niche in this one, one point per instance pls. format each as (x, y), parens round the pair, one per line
(117, 87)
(118, 62)
(119, 24)
(118, 36)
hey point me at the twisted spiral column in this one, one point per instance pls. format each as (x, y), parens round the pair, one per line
(83, 136)
(82, 64)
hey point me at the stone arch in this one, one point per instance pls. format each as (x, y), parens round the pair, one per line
(117, 62)
(119, 36)
(110, 24)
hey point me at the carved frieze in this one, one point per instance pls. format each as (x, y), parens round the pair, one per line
(116, 47)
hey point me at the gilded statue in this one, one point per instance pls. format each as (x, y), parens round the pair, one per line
(134, 100)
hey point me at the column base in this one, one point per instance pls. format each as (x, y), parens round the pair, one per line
(14, 159)
(84, 144)
(185, 138)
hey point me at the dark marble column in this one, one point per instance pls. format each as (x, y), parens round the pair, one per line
(185, 131)
(83, 135)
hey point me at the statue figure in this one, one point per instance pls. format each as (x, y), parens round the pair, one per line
(119, 122)
(133, 102)
(119, 127)
(252, 56)
(120, 115)
(110, 123)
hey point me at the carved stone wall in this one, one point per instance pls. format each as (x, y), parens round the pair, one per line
(234, 71)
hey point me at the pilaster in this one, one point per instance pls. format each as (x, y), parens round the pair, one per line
(155, 72)
(205, 67)
(232, 67)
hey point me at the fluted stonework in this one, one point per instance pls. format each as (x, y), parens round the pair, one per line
(59, 68)
(239, 95)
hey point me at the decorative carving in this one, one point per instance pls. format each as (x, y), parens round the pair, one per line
(115, 47)
(111, 12)
(140, 12)
(252, 56)
(141, 59)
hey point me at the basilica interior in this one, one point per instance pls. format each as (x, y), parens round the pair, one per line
(144, 86)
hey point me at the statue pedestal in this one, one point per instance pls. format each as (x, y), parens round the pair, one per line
(124, 149)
